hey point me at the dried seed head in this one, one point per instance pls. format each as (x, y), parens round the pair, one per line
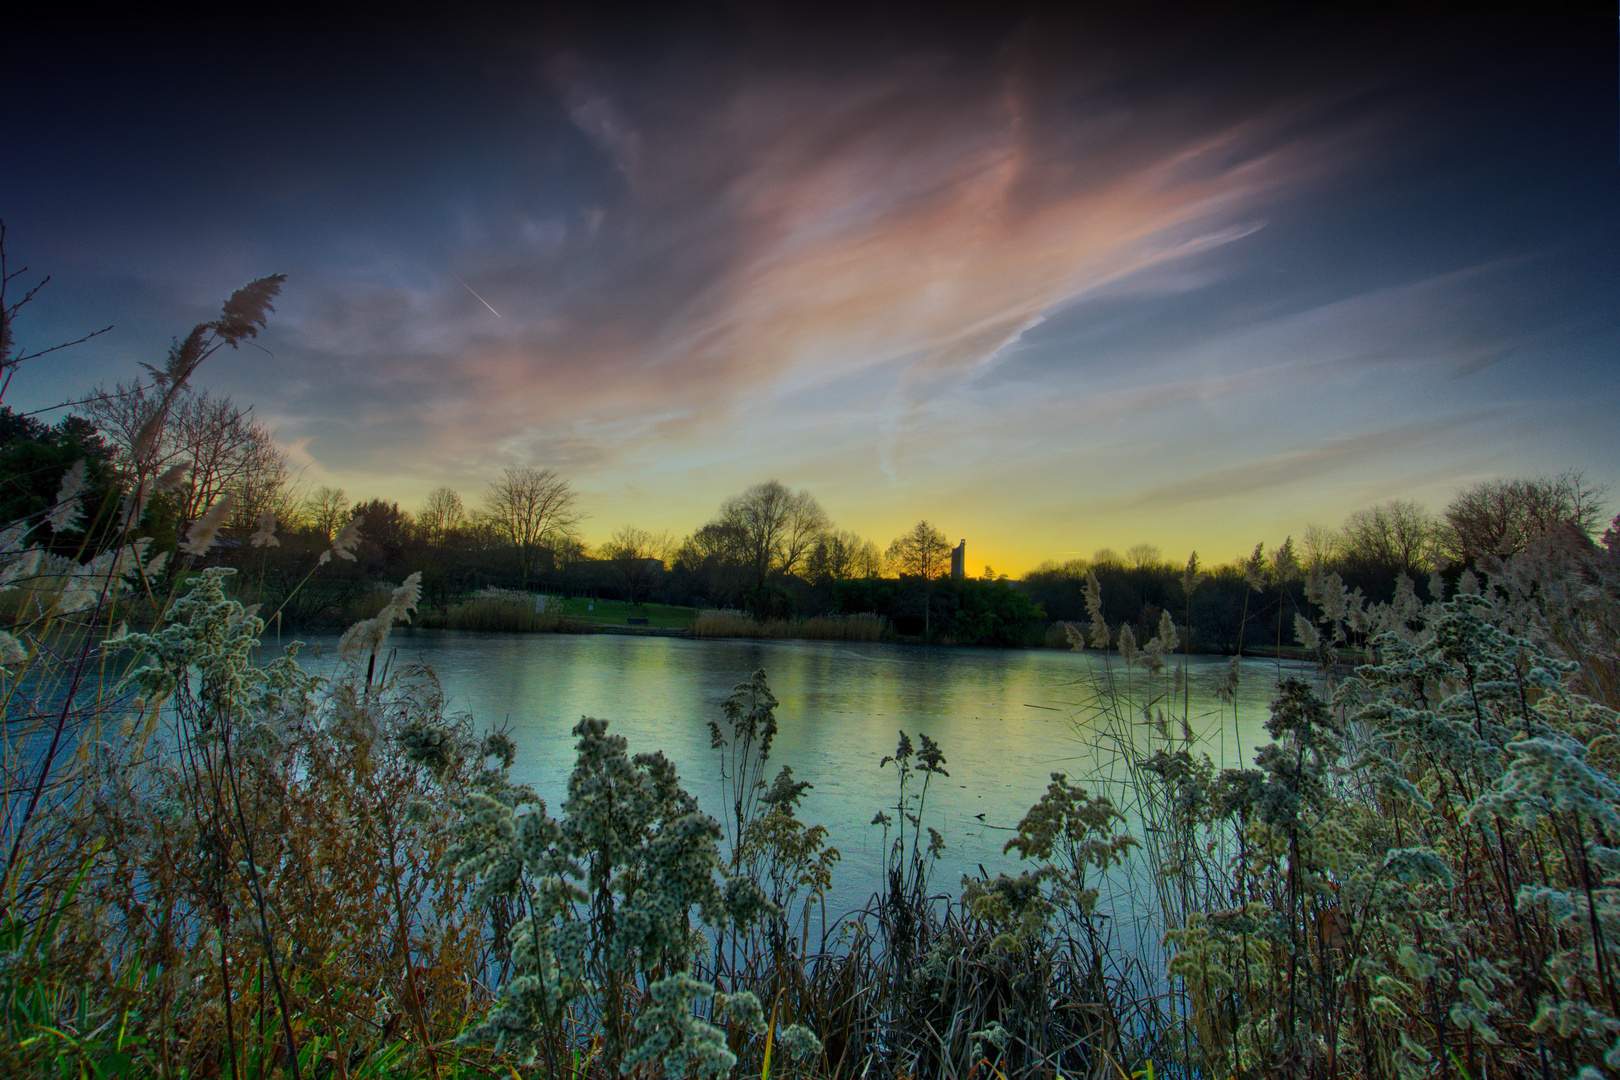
(1127, 645)
(362, 639)
(266, 534)
(348, 538)
(403, 601)
(173, 476)
(64, 516)
(146, 438)
(206, 528)
(11, 651)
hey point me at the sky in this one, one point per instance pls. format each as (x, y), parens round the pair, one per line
(1051, 280)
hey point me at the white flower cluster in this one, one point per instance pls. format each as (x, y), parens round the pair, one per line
(611, 888)
(211, 635)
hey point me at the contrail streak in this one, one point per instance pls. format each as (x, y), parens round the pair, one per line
(481, 300)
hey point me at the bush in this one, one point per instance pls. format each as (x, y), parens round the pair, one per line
(1424, 867)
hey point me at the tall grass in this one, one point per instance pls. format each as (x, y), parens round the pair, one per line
(494, 613)
(304, 871)
(1420, 876)
(736, 624)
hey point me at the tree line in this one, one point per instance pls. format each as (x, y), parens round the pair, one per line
(769, 551)
(1251, 603)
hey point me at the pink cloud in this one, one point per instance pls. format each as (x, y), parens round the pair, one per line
(785, 229)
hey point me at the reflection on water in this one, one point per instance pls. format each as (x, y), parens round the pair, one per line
(1005, 720)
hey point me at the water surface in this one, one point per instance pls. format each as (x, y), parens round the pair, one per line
(1005, 720)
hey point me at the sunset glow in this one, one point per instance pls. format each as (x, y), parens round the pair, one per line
(1051, 284)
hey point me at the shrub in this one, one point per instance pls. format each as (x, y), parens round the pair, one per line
(1422, 867)
(605, 895)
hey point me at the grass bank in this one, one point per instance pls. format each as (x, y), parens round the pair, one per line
(515, 612)
(485, 613)
(619, 613)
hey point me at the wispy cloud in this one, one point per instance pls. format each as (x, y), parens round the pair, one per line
(1023, 271)
(1309, 464)
(784, 229)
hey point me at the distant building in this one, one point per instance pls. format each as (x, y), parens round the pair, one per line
(958, 561)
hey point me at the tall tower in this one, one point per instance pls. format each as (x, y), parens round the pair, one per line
(959, 561)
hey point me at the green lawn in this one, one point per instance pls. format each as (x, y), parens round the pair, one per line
(615, 612)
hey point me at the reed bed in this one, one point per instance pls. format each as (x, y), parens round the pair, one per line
(499, 614)
(737, 624)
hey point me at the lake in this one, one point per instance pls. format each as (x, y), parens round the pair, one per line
(1004, 718)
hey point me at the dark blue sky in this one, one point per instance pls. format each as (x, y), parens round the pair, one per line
(1053, 281)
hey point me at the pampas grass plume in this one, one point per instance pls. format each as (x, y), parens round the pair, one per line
(404, 600)
(362, 639)
(348, 538)
(1127, 645)
(266, 534)
(206, 528)
(146, 438)
(369, 635)
(11, 651)
(173, 476)
(64, 516)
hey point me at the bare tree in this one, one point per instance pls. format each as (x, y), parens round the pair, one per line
(638, 558)
(1322, 546)
(441, 515)
(713, 557)
(1502, 517)
(843, 556)
(1143, 557)
(327, 509)
(534, 509)
(119, 414)
(866, 561)
(225, 449)
(923, 552)
(1390, 539)
(773, 529)
(265, 486)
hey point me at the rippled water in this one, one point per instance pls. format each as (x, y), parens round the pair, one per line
(1005, 720)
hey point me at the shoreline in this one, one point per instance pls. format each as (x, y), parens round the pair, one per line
(1293, 654)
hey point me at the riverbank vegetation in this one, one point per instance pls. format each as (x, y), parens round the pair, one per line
(502, 610)
(222, 868)
(215, 866)
(771, 552)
